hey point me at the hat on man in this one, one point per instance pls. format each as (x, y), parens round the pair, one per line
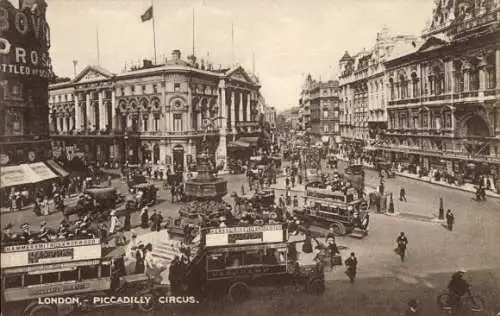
(25, 226)
(44, 223)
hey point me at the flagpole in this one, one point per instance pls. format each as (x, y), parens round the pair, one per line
(193, 34)
(97, 46)
(154, 33)
(232, 45)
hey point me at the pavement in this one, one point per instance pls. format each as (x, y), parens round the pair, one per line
(467, 187)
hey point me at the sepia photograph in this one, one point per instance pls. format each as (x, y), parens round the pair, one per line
(250, 157)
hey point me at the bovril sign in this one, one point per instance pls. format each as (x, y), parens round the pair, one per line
(24, 40)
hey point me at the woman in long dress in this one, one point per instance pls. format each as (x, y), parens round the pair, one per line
(144, 217)
(139, 259)
(151, 270)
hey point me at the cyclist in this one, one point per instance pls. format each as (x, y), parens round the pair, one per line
(458, 287)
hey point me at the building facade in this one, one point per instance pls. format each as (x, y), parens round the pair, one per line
(25, 71)
(363, 88)
(443, 108)
(321, 100)
(270, 115)
(305, 104)
(156, 114)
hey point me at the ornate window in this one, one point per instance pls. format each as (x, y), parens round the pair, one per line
(392, 121)
(402, 121)
(437, 80)
(491, 72)
(447, 119)
(415, 86)
(391, 88)
(424, 119)
(145, 121)
(156, 122)
(177, 122)
(474, 76)
(459, 76)
(403, 83)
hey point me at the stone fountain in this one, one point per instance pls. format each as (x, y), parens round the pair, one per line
(205, 186)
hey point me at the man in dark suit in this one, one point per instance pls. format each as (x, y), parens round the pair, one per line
(450, 219)
(352, 265)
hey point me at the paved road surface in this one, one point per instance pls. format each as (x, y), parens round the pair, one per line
(377, 296)
(433, 254)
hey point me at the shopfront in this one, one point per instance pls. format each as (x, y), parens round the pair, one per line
(27, 179)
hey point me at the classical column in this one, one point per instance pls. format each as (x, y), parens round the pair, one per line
(58, 124)
(451, 76)
(78, 112)
(71, 123)
(65, 123)
(163, 151)
(168, 122)
(151, 122)
(222, 146)
(113, 109)
(88, 121)
(189, 116)
(248, 107)
(240, 116)
(497, 66)
(198, 120)
(482, 73)
(101, 109)
(233, 115)
(453, 123)
(223, 107)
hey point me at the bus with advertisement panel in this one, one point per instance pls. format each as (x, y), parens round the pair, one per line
(70, 268)
(345, 211)
(232, 259)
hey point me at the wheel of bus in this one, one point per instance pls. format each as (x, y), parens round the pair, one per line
(41, 310)
(238, 292)
(147, 307)
(339, 229)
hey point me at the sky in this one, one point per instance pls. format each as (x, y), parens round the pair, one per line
(288, 38)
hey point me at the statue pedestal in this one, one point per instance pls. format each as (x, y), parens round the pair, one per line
(205, 185)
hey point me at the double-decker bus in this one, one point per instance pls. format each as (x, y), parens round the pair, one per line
(232, 259)
(345, 211)
(31, 273)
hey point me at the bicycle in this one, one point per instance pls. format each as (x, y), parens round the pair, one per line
(473, 303)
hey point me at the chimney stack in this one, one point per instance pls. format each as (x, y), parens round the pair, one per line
(202, 62)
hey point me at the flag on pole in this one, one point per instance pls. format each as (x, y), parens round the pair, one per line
(148, 15)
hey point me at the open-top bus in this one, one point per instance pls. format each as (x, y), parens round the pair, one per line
(71, 268)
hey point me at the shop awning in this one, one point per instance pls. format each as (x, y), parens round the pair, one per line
(325, 138)
(17, 175)
(238, 144)
(57, 168)
(42, 171)
(250, 140)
